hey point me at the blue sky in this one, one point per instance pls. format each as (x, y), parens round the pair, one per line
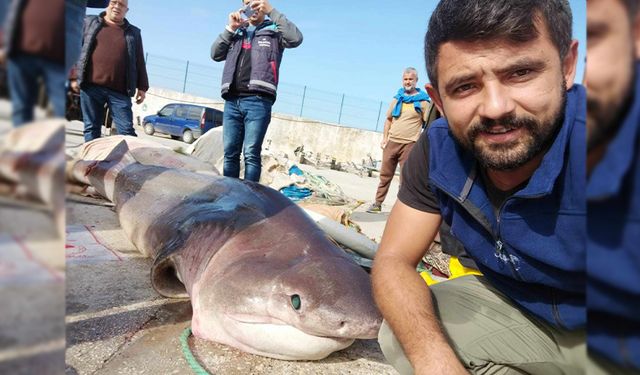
(354, 47)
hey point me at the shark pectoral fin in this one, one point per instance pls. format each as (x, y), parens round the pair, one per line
(165, 279)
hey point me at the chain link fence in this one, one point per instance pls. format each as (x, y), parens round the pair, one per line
(331, 107)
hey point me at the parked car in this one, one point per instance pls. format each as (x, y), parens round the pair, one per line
(182, 121)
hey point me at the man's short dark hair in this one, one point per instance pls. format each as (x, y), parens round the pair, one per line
(632, 7)
(464, 20)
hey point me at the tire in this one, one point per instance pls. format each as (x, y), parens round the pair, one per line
(148, 129)
(187, 136)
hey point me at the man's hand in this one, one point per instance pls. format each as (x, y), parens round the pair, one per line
(74, 86)
(236, 21)
(395, 280)
(140, 95)
(383, 143)
(261, 6)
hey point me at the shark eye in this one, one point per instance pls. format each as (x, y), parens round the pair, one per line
(296, 302)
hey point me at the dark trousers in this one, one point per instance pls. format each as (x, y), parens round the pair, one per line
(392, 155)
(92, 101)
(23, 72)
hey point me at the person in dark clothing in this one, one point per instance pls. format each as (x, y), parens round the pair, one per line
(33, 45)
(613, 187)
(504, 168)
(111, 70)
(252, 50)
(75, 12)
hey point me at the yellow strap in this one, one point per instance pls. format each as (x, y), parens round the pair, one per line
(455, 267)
(427, 278)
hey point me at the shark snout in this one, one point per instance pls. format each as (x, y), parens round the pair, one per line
(361, 328)
(330, 301)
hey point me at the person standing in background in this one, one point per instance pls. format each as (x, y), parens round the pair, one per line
(33, 48)
(75, 11)
(252, 50)
(407, 115)
(111, 70)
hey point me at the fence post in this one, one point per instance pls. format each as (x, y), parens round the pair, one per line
(379, 112)
(186, 73)
(304, 93)
(341, 105)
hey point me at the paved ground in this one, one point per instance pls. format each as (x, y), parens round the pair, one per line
(116, 323)
(32, 331)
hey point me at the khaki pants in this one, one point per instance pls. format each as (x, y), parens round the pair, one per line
(492, 336)
(392, 155)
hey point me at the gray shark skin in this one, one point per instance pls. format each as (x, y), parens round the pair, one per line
(261, 276)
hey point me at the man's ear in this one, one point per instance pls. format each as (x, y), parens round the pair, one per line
(435, 97)
(569, 64)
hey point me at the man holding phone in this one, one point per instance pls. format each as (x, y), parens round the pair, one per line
(252, 49)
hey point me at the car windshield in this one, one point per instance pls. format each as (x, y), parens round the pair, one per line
(166, 111)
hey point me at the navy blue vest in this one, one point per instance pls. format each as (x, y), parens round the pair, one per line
(613, 247)
(266, 56)
(534, 251)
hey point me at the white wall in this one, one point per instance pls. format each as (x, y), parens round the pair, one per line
(286, 132)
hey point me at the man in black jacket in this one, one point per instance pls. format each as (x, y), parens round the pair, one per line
(111, 70)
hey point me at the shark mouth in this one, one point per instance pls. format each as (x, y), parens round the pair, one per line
(248, 320)
(271, 337)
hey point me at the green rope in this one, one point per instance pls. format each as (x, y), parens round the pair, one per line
(188, 355)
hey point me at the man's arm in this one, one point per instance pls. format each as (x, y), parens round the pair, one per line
(385, 133)
(220, 46)
(404, 298)
(291, 36)
(143, 78)
(387, 124)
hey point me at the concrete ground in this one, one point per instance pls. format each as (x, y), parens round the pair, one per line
(32, 330)
(116, 323)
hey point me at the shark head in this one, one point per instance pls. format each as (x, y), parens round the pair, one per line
(290, 295)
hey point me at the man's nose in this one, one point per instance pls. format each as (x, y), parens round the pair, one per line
(496, 101)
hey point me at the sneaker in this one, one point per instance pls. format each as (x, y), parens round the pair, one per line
(375, 208)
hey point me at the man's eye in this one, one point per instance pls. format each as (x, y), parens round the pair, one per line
(521, 72)
(462, 88)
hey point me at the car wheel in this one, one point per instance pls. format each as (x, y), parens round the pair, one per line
(187, 136)
(148, 129)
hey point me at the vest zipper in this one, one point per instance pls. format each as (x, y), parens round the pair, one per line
(501, 253)
(242, 55)
(554, 308)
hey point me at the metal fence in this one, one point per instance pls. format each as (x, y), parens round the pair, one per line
(204, 80)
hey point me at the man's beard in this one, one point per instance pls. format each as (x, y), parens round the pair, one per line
(506, 156)
(604, 118)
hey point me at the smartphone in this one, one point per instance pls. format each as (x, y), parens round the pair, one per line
(247, 11)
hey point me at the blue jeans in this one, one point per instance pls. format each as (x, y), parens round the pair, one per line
(245, 123)
(92, 101)
(75, 11)
(23, 72)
